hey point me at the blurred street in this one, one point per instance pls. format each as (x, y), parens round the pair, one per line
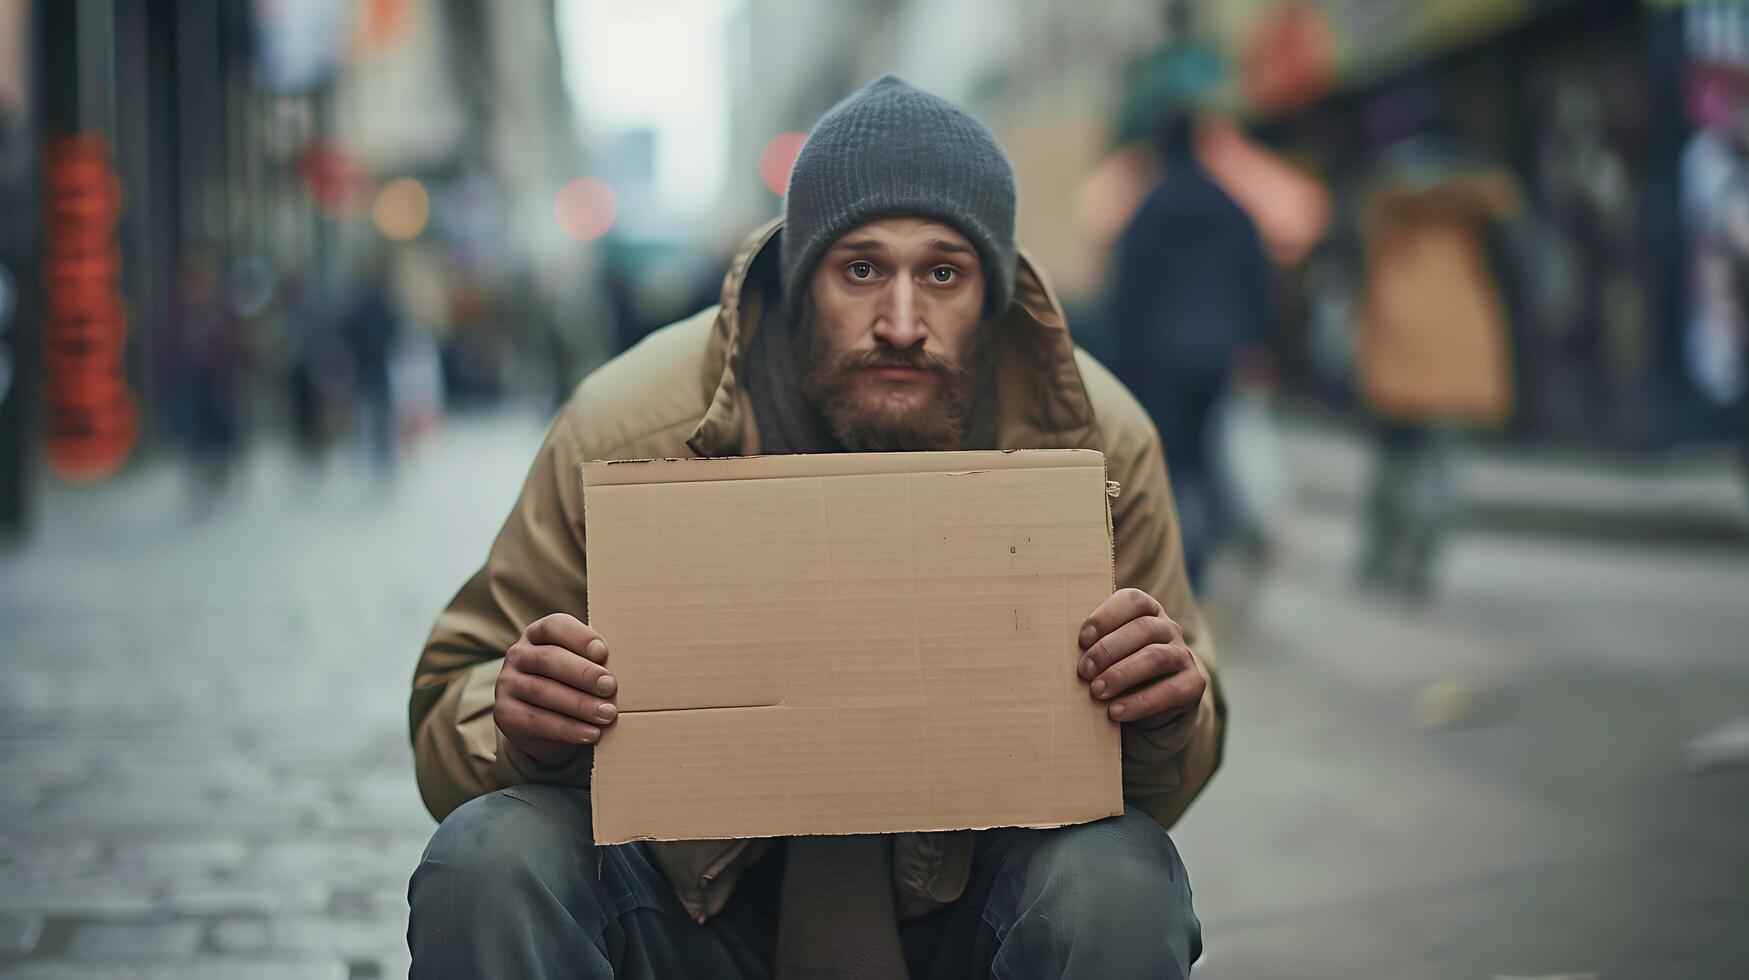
(173, 801)
(1494, 784)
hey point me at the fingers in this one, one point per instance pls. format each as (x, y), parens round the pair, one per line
(1151, 661)
(565, 630)
(543, 692)
(1123, 606)
(1121, 643)
(1162, 700)
(531, 721)
(564, 666)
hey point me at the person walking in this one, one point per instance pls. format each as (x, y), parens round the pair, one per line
(1191, 290)
(1434, 356)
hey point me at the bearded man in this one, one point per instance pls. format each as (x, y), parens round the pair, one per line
(890, 310)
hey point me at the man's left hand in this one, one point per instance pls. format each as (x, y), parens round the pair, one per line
(1136, 660)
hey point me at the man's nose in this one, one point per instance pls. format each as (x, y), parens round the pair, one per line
(899, 322)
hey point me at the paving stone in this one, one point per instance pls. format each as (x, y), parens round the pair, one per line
(83, 898)
(40, 852)
(19, 932)
(184, 855)
(109, 808)
(347, 937)
(18, 799)
(382, 902)
(239, 934)
(261, 896)
(198, 968)
(344, 859)
(397, 964)
(135, 940)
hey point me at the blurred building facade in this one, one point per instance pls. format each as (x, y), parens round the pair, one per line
(261, 162)
(1619, 118)
(249, 166)
(18, 258)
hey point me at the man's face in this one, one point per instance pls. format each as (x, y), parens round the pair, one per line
(891, 345)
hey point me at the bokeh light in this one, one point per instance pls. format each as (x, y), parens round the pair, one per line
(586, 208)
(778, 158)
(401, 209)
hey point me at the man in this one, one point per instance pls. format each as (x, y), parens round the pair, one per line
(1434, 356)
(889, 312)
(1189, 294)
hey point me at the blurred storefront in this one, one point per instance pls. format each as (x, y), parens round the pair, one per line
(221, 183)
(18, 261)
(1618, 120)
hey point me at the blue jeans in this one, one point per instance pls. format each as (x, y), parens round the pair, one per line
(508, 887)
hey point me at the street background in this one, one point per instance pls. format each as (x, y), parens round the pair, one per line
(288, 293)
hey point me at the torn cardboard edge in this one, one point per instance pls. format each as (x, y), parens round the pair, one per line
(696, 733)
(1118, 812)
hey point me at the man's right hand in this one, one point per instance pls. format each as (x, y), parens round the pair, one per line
(554, 692)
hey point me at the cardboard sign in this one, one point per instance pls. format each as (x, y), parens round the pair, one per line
(866, 643)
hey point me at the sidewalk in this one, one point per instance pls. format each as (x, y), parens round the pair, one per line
(1693, 495)
(1493, 784)
(204, 769)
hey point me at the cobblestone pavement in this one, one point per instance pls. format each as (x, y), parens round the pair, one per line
(204, 770)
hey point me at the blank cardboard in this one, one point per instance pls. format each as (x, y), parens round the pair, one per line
(846, 644)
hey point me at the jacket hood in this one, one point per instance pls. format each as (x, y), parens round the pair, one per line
(1041, 398)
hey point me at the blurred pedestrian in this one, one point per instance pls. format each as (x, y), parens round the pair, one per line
(1190, 292)
(317, 368)
(1434, 352)
(370, 327)
(208, 375)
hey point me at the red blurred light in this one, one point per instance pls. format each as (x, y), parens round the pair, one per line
(340, 186)
(586, 208)
(91, 419)
(778, 158)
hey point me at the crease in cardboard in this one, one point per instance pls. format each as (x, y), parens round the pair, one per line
(707, 707)
(917, 626)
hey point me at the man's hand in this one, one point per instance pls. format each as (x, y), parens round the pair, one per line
(554, 692)
(1137, 661)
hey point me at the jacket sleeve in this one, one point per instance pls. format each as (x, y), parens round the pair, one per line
(535, 567)
(1164, 768)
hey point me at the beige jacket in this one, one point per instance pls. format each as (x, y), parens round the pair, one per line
(1434, 344)
(679, 394)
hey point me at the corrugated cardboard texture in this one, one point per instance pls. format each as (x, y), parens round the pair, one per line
(849, 644)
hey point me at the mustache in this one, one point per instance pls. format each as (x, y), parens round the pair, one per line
(886, 357)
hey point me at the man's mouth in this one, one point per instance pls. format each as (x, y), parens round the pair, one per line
(899, 374)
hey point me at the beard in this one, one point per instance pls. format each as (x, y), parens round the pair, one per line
(864, 423)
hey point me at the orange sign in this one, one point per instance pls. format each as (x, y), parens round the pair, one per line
(93, 418)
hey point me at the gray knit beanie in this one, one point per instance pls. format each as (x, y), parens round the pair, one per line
(889, 150)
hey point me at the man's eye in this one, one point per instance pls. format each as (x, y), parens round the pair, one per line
(861, 270)
(943, 274)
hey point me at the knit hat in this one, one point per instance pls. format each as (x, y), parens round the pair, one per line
(891, 150)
